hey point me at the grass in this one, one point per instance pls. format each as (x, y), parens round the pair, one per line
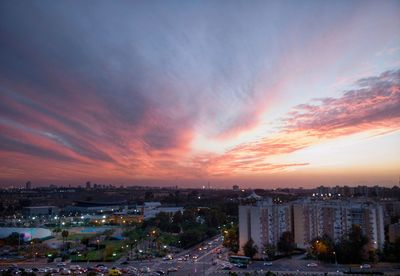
(78, 236)
(96, 255)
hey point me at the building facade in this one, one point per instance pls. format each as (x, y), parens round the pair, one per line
(335, 218)
(264, 223)
(394, 232)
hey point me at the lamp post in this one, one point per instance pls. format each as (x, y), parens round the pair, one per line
(334, 253)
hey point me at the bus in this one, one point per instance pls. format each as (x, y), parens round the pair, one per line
(240, 261)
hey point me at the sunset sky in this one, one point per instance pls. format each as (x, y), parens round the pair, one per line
(255, 93)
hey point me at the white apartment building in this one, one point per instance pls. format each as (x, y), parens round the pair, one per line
(335, 218)
(264, 223)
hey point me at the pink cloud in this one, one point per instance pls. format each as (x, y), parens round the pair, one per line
(375, 105)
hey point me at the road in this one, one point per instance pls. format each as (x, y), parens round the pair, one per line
(207, 261)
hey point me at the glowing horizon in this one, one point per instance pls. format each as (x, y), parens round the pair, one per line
(268, 94)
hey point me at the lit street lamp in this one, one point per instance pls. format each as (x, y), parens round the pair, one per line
(334, 253)
(316, 247)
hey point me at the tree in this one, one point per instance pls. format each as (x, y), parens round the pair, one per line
(85, 241)
(391, 251)
(269, 250)
(15, 238)
(250, 249)
(352, 248)
(148, 195)
(108, 251)
(177, 217)
(231, 239)
(286, 243)
(64, 235)
(323, 248)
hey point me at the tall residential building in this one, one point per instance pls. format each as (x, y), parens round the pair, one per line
(335, 218)
(264, 223)
(28, 185)
(394, 232)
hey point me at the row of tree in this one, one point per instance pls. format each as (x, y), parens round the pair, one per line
(352, 248)
(191, 226)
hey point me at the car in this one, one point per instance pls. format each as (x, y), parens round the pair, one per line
(160, 272)
(74, 267)
(61, 264)
(53, 269)
(172, 269)
(312, 265)
(103, 269)
(195, 257)
(132, 269)
(145, 269)
(125, 263)
(114, 272)
(93, 269)
(268, 263)
(365, 266)
(168, 258)
(180, 259)
(226, 267)
(65, 271)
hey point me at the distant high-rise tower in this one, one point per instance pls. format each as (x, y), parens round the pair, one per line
(28, 185)
(88, 185)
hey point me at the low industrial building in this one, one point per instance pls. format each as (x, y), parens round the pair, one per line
(40, 211)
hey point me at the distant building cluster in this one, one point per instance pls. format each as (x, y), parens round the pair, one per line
(265, 221)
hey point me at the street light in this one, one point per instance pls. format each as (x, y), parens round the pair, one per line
(316, 248)
(334, 253)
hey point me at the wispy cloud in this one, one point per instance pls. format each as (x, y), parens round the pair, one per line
(375, 105)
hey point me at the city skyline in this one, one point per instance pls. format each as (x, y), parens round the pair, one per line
(268, 94)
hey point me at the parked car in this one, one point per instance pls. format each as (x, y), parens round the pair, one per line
(65, 271)
(114, 272)
(312, 265)
(172, 269)
(365, 266)
(145, 269)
